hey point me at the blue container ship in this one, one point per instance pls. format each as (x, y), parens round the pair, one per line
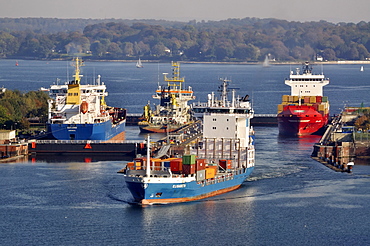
(218, 160)
(79, 112)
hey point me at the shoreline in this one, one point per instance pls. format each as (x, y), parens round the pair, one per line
(204, 62)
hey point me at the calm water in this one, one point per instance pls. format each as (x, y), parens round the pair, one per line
(289, 199)
(132, 88)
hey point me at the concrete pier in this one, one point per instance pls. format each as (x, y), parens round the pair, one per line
(339, 146)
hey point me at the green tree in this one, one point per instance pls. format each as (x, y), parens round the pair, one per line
(97, 49)
(9, 44)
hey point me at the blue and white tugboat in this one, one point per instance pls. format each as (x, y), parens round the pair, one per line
(216, 162)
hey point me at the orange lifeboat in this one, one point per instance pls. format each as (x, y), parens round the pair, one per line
(84, 107)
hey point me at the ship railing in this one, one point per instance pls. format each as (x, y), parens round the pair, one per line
(265, 115)
(134, 115)
(48, 141)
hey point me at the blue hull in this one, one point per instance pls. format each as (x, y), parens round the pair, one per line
(98, 131)
(168, 192)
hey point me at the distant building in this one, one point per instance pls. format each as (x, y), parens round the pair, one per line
(7, 136)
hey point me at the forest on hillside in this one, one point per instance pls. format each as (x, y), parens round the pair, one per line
(17, 107)
(232, 40)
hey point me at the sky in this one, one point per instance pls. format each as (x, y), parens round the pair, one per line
(292, 10)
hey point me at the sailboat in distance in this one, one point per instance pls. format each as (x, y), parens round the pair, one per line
(139, 64)
(266, 62)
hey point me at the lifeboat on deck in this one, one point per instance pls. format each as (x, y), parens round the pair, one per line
(84, 107)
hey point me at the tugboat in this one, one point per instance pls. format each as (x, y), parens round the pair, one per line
(173, 112)
(216, 162)
(305, 111)
(79, 112)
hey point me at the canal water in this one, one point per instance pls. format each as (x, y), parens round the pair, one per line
(289, 199)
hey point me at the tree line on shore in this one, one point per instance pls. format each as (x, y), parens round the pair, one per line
(232, 40)
(16, 108)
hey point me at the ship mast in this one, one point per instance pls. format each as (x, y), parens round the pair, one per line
(223, 89)
(175, 81)
(74, 94)
(77, 64)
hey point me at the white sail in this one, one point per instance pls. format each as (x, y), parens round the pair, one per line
(266, 62)
(139, 64)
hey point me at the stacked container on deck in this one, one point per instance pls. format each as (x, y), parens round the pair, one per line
(186, 165)
(319, 103)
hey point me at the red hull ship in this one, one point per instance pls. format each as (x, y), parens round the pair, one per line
(306, 110)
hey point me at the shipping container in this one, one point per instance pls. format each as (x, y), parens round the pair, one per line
(321, 107)
(157, 165)
(141, 160)
(318, 99)
(295, 99)
(188, 169)
(290, 98)
(138, 165)
(313, 99)
(176, 165)
(285, 98)
(130, 165)
(188, 159)
(166, 163)
(306, 99)
(200, 164)
(212, 165)
(210, 173)
(280, 107)
(324, 99)
(201, 175)
(225, 164)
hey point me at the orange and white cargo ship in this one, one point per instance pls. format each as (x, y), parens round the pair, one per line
(173, 111)
(305, 111)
